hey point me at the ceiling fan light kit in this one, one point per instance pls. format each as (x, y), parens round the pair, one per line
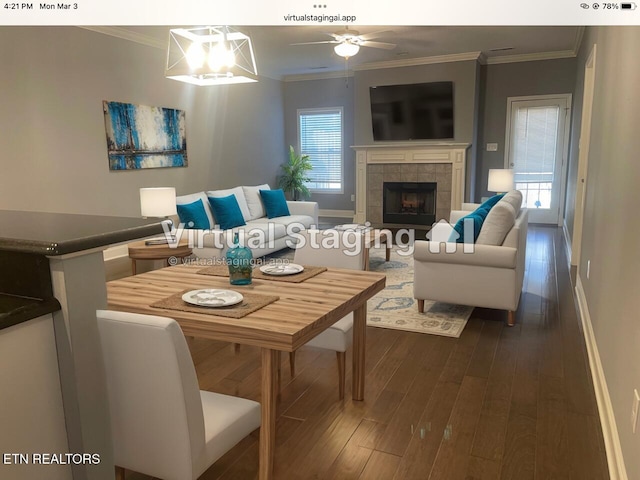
(348, 42)
(346, 49)
(217, 55)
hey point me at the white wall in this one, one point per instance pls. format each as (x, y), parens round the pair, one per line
(611, 229)
(54, 157)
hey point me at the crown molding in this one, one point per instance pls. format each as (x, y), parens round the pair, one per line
(125, 34)
(411, 62)
(300, 77)
(531, 57)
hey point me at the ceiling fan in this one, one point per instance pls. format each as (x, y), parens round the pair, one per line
(348, 42)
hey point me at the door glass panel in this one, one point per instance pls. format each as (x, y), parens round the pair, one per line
(536, 139)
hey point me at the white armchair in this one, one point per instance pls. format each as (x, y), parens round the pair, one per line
(491, 276)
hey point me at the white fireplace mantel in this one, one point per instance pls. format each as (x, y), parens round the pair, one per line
(410, 152)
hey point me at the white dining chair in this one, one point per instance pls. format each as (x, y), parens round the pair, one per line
(162, 424)
(325, 248)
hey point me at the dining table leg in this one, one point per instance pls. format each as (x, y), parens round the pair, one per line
(268, 406)
(359, 350)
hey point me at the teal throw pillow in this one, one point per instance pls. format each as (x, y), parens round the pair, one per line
(274, 203)
(492, 201)
(477, 216)
(193, 215)
(227, 211)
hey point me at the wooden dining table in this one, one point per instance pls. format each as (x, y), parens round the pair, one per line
(302, 311)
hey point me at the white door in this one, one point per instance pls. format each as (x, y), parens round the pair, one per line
(536, 150)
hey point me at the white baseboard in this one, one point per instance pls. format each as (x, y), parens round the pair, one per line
(617, 469)
(116, 252)
(336, 213)
(567, 243)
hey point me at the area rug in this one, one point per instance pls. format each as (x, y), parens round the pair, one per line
(395, 307)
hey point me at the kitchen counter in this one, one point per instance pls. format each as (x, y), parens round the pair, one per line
(54, 234)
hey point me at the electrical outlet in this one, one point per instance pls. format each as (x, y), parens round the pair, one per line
(492, 147)
(634, 410)
(588, 268)
(353, 198)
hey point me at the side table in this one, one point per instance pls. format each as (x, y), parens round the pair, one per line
(140, 251)
(373, 235)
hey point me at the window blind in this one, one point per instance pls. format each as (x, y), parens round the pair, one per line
(536, 143)
(321, 138)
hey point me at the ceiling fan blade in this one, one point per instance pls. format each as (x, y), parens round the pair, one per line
(314, 43)
(372, 35)
(386, 46)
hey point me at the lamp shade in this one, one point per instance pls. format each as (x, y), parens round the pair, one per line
(500, 180)
(158, 202)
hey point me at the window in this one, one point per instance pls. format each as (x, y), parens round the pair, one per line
(320, 134)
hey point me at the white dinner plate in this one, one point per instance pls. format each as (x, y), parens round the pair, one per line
(281, 269)
(211, 297)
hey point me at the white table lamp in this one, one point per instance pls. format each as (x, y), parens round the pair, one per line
(158, 202)
(500, 180)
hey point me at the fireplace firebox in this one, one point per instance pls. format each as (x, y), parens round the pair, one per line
(411, 203)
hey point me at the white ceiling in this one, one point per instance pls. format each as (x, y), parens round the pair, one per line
(277, 58)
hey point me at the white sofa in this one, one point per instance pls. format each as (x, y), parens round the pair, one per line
(263, 235)
(491, 276)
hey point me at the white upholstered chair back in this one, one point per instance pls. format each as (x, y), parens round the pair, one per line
(157, 419)
(331, 248)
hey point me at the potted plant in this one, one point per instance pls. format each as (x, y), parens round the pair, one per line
(294, 175)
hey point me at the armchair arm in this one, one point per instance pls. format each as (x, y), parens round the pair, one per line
(454, 253)
(304, 208)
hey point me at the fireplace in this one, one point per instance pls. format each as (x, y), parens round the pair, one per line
(411, 203)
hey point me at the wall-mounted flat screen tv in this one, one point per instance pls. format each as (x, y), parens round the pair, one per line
(419, 111)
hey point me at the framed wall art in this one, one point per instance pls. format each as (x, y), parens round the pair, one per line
(140, 136)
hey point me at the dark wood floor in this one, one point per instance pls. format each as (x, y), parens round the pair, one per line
(496, 403)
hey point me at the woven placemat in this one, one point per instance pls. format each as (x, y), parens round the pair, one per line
(307, 273)
(250, 303)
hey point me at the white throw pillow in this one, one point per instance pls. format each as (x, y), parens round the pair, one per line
(514, 197)
(496, 226)
(239, 193)
(194, 197)
(254, 201)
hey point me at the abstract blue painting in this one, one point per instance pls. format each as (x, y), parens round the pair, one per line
(139, 136)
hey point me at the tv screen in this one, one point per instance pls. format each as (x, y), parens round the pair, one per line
(420, 111)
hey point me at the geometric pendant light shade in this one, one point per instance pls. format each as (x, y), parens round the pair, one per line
(210, 56)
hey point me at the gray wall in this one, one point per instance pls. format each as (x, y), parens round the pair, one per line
(512, 80)
(333, 92)
(54, 156)
(611, 230)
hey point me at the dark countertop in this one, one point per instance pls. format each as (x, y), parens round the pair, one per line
(54, 234)
(15, 309)
(27, 239)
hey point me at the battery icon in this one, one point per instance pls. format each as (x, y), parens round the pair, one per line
(628, 6)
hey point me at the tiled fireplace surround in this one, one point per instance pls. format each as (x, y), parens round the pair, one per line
(443, 164)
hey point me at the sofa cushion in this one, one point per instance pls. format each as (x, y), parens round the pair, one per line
(193, 215)
(305, 220)
(272, 230)
(227, 211)
(514, 197)
(274, 203)
(187, 199)
(499, 221)
(254, 201)
(239, 193)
